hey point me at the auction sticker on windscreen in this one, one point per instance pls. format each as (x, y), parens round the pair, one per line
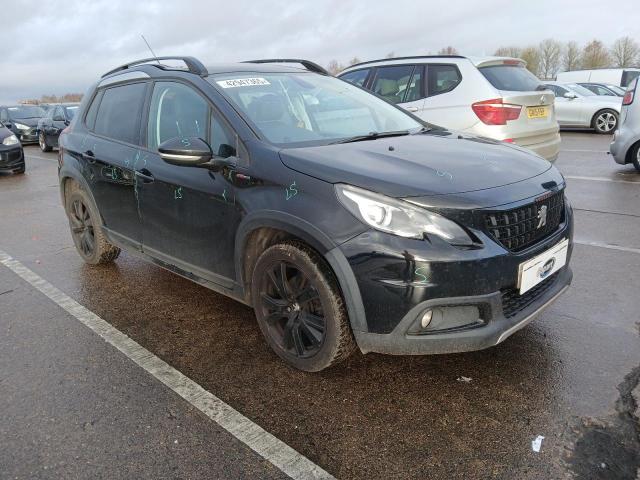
(243, 82)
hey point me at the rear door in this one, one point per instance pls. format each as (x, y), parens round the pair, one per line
(109, 152)
(445, 103)
(401, 85)
(189, 213)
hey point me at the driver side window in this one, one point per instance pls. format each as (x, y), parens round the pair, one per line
(178, 111)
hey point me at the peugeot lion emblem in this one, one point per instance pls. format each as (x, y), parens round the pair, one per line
(542, 216)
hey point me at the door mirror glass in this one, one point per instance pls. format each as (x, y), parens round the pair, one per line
(186, 151)
(570, 95)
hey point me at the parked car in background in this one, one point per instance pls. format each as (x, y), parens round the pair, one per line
(492, 97)
(625, 146)
(578, 107)
(57, 119)
(22, 120)
(604, 89)
(341, 219)
(613, 76)
(11, 153)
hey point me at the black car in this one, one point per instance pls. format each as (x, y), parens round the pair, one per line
(341, 219)
(22, 120)
(11, 153)
(50, 126)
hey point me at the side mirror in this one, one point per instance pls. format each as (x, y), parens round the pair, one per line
(185, 152)
(58, 118)
(570, 95)
(8, 125)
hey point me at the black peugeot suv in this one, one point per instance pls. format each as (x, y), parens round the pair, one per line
(341, 219)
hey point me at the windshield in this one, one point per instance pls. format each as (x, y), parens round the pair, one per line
(580, 90)
(295, 109)
(513, 78)
(71, 112)
(26, 111)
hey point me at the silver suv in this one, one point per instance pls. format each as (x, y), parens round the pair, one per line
(493, 97)
(625, 147)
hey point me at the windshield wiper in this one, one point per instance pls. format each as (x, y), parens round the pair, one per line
(372, 136)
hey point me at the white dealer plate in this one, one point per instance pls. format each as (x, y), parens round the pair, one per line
(536, 269)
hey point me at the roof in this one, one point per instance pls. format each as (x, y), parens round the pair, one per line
(477, 61)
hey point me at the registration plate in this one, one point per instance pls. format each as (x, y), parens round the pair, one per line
(538, 112)
(536, 269)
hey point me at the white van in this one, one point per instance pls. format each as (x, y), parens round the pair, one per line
(615, 76)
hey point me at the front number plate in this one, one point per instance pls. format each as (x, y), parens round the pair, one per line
(536, 269)
(538, 112)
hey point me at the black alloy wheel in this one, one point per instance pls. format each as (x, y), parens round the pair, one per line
(293, 310)
(82, 228)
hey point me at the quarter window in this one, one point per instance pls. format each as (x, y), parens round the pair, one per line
(120, 113)
(357, 77)
(442, 79)
(90, 119)
(391, 83)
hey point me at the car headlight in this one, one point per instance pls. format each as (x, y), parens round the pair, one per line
(21, 126)
(10, 140)
(399, 217)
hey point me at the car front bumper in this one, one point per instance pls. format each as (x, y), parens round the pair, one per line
(398, 288)
(11, 158)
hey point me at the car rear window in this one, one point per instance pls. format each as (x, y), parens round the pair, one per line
(513, 78)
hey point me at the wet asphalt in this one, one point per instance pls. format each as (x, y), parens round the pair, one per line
(73, 407)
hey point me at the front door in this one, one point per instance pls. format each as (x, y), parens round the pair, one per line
(189, 213)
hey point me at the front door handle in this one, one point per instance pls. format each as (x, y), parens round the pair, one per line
(145, 175)
(89, 156)
(411, 109)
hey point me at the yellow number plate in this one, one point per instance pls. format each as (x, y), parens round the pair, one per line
(538, 112)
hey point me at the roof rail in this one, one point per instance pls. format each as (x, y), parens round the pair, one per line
(193, 64)
(404, 58)
(308, 64)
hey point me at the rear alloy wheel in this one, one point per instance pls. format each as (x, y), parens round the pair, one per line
(635, 156)
(299, 307)
(86, 231)
(42, 141)
(605, 121)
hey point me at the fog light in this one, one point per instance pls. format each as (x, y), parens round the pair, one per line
(426, 319)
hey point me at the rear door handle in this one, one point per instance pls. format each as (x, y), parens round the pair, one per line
(145, 175)
(411, 109)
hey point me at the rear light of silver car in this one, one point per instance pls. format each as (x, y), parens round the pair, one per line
(628, 97)
(495, 112)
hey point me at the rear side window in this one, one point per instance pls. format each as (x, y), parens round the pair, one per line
(391, 83)
(357, 77)
(442, 79)
(120, 112)
(512, 78)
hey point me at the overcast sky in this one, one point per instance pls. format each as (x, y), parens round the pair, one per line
(62, 46)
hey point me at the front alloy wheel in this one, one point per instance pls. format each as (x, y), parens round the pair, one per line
(42, 141)
(299, 307)
(606, 121)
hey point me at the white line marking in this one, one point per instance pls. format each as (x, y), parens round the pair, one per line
(583, 151)
(608, 246)
(600, 179)
(28, 155)
(255, 437)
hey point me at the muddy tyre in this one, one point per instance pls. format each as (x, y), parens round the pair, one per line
(86, 231)
(299, 307)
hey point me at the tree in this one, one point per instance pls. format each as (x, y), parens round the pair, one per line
(549, 51)
(390, 55)
(595, 55)
(532, 57)
(571, 57)
(625, 52)
(354, 60)
(508, 52)
(448, 51)
(334, 67)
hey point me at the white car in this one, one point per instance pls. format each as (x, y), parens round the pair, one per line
(615, 76)
(577, 106)
(494, 97)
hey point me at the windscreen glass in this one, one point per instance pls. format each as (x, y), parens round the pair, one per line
(304, 109)
(26, 111)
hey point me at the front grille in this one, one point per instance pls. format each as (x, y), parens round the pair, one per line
(513, 303)
(517, 229)
(10, 156)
